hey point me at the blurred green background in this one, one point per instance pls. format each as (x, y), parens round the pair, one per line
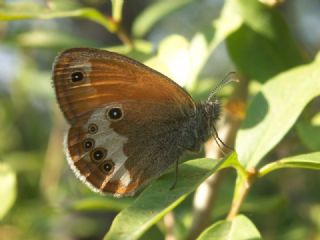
(40, 198)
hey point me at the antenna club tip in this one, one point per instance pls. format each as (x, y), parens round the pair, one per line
(234, 77)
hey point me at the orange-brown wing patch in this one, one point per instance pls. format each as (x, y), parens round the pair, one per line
(119, 190)
(109, 77)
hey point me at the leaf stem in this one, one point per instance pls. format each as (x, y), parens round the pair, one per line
(117, 10)
(299, 161)
(242, 188)
(269, 168)
(122, 34)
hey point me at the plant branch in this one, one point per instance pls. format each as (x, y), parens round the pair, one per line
(169, 222)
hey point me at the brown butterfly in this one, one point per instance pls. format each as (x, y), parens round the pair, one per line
(129, 123)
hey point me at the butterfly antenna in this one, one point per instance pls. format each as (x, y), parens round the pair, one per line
(230, 77)
(220, 147)
(219, 141)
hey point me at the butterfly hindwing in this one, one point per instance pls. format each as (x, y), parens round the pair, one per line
(138, 149)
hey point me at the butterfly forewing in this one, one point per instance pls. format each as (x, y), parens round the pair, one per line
(109, 77)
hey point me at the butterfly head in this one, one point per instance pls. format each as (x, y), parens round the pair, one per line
(208, 112)
(212, 105)
(213, 110)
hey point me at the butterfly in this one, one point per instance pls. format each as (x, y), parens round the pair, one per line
(128, 122)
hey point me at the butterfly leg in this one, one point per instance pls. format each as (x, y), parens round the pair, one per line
(176, 175)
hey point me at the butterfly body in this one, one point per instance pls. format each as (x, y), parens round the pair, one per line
(129, 123)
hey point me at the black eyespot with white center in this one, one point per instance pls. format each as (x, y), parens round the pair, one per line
(114, 113)
(98, 154)
(92, 128)
(88, 144)
(77, 76)
(108, 166)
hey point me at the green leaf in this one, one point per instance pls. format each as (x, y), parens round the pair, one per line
(157, 200)
(263, 46)
(7, 189)
(309, 134)
(183, 60)
(274, 110)
(240, 228)
(142, 50)
(234, 163)
(49, 39)
(153, 14)
(101, 204)
(307, 161)
(18, 11)
(173, 59)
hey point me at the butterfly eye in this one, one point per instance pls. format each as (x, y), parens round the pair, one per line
(98, 154)
(107, 166)
(114, 113)
(88, 144)
(92, 128)
(77, 77)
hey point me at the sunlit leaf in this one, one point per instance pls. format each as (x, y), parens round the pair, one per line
(274, 110)
(158, 199)
(173, 59)
(183, 60)
(7, 189)
(240, 228)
